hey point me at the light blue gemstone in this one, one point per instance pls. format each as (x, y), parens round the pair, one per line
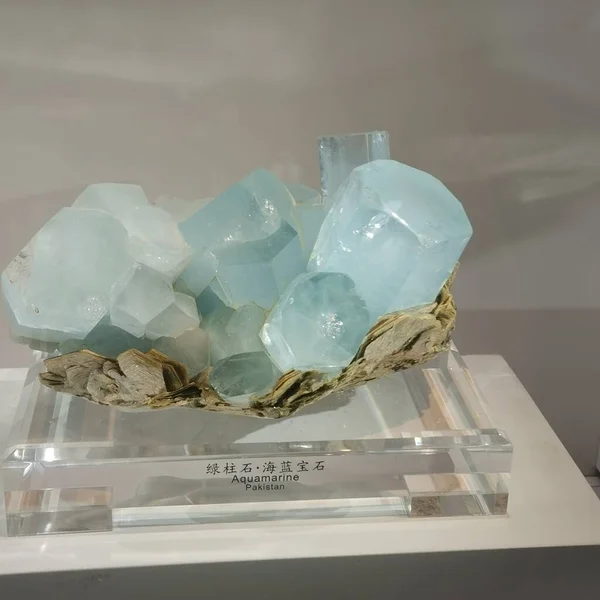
(244, 246)
(234, 331)
(245, 212)
(210, 299)
(145, 305)
(139, 300)
(396, 231)
(259, 271)
(190, 348)
(180, 316)
(308, 215)
(117, 199)
(200, 271)
(59, 287)
(318, 323)
(238, 377)
(339, 155)
(107, 340)
(154, 239)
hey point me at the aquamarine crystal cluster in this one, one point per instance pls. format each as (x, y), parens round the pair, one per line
(265, 278)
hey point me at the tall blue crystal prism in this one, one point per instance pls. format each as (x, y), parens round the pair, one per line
(339, 155)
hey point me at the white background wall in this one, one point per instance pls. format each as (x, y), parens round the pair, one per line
(500, 99)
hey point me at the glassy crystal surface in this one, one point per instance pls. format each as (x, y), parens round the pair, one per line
(237, 377)
(308, 214)
(244, 212)
(234, 331)
(200, 272)
(209, 300)
(59, 286)
(319, 323)
(339, 155)
(259, 271)
(155, 240)
(179, 208)
(143, 298)
(190, 348)
(116, 199)
(108, 340)
(179, 316)
(396, 231)
(244, 244)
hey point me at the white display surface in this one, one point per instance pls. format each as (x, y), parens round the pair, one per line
(551, 504)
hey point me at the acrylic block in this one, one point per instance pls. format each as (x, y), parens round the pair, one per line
(415, 444)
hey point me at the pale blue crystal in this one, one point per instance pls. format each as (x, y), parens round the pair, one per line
(238, 377)
(59, 287)
(244, 212)
(245, 244)
(396, 231)
(303, 194)
(234, 331)
(339, 155)
(146, 305)
(190, 348)
(155, 240)
(179, 208)
(210, 299)
(142, 298)
(117, 199)
(308, 214)
(318, 323)
(200, 271)
(180, 316)
(259, 271)
(108, 340)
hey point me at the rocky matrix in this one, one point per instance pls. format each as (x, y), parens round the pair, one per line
(266, 278)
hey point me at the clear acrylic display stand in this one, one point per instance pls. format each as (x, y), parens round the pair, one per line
(415, 444)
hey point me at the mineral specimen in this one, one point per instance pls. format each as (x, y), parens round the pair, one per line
(396, 231)
(317, 324)
(259, 301)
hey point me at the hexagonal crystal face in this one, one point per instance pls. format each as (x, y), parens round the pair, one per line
(146, 305)
(179, 316)
(246, 243)
(396, 231)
